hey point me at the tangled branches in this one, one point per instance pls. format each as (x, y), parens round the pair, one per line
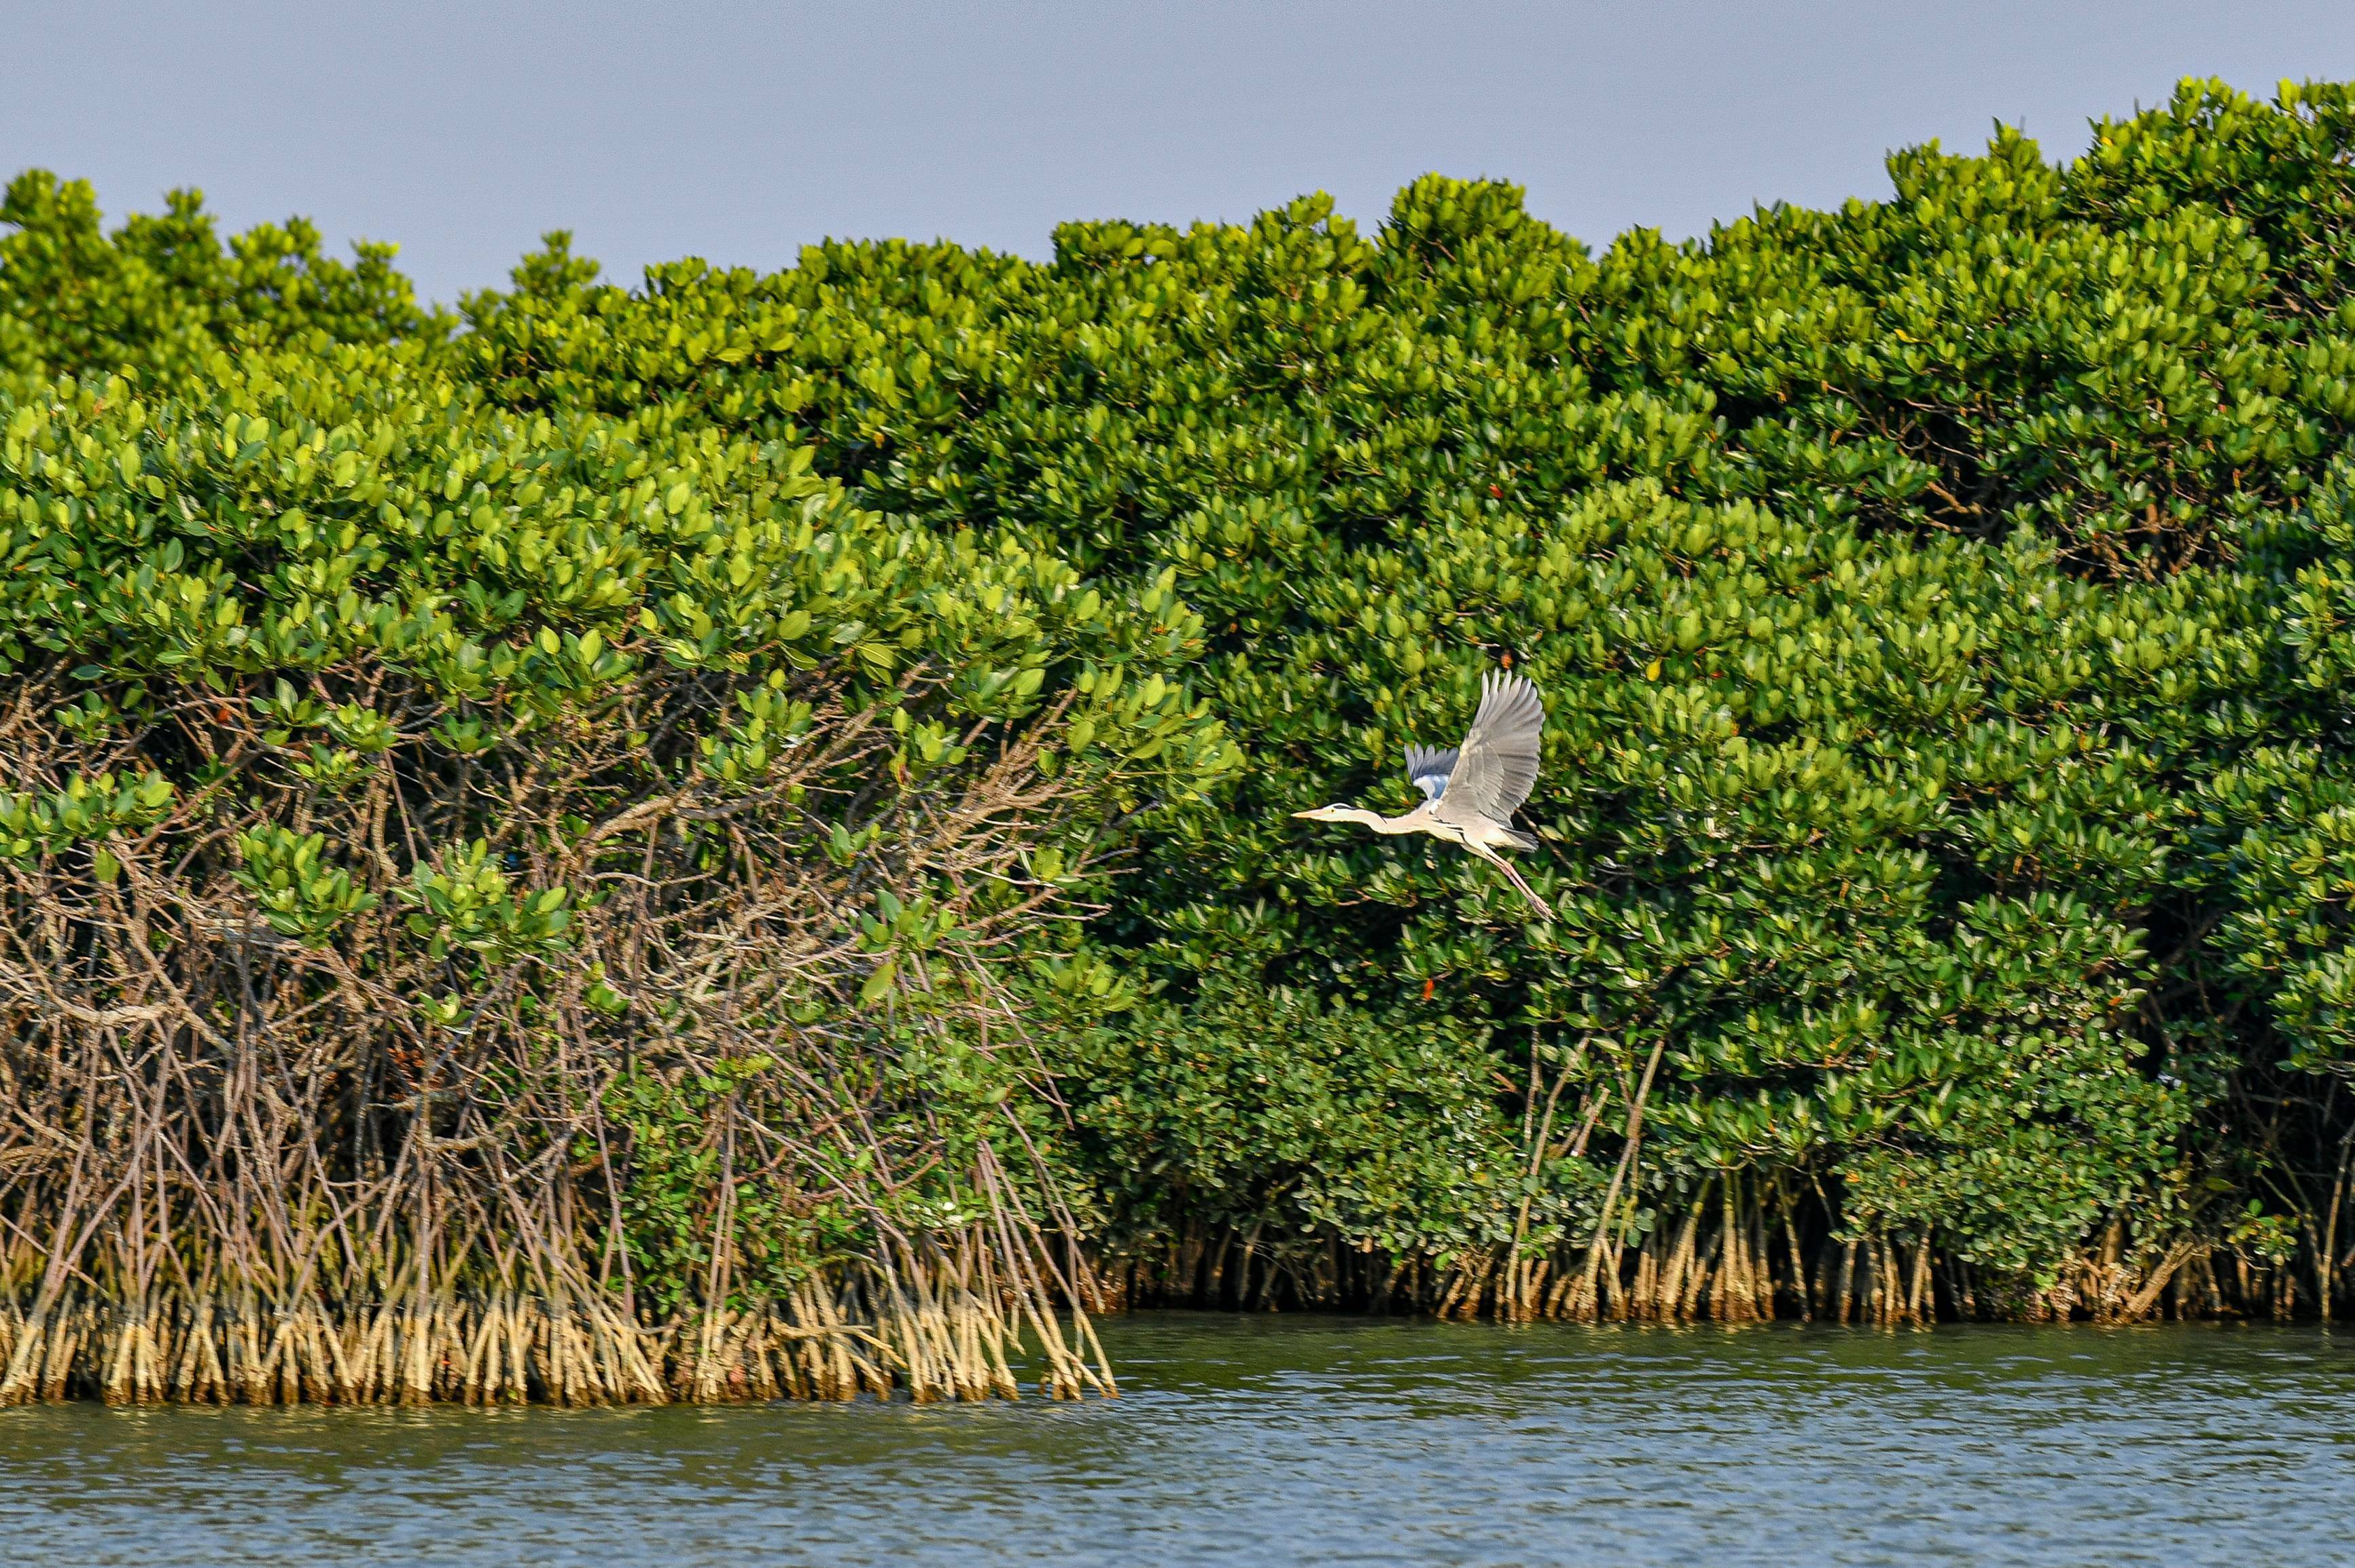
(564, 1077)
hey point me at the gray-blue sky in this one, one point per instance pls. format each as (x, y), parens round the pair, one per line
(740, 133)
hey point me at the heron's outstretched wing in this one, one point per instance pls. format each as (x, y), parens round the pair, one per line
(1429, 770)
(1497, 766)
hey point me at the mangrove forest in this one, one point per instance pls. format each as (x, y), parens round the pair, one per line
(732, 838)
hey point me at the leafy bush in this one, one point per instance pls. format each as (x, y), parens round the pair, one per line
(419, 807)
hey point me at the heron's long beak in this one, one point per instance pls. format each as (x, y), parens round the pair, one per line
(1310, 812)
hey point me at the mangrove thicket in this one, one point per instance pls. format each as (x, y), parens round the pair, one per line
(730, 837)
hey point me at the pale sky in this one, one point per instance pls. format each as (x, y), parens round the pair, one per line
(740, 133)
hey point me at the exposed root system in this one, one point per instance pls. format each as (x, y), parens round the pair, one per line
(927, 1337)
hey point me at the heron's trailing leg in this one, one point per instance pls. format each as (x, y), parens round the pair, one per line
(1510, 870)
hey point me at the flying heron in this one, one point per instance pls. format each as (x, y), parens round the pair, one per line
(1469, 795)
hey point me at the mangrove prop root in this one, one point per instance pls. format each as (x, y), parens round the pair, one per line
(929, 1338)
(1741, 1250)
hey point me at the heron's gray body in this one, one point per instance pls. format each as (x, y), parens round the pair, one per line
(1471, 792)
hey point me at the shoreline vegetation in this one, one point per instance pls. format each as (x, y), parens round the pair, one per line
(729, 838)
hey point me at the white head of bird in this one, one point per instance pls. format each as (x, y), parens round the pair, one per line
(1341, 813)
(1469, 795)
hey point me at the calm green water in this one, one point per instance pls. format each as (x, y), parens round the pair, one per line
(1298, 1440)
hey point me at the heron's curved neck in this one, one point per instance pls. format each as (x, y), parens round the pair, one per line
(1380, 824)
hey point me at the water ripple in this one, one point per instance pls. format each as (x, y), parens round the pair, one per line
(1299, 1441)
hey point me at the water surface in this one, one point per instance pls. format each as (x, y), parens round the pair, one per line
(1297, 1440)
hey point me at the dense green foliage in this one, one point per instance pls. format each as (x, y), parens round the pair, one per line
(164, 294)
(508, 850)
(1945, 609)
